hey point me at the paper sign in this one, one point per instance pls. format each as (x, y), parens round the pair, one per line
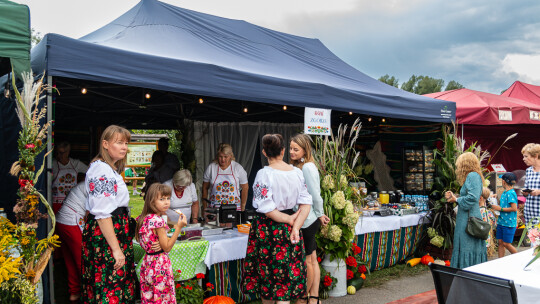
(505, 115)
(317, 121)
(499, 168)
(534, 115)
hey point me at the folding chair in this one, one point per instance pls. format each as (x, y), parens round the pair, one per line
(454, 286)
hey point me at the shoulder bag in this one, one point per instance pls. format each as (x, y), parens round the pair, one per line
(477, 228)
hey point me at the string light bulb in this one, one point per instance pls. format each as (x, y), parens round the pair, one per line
(350, 113)
(284, 108)
(383, 120)
(147, 96)
(369, 119)
(245, 109)
(84, 91)
(201, 101)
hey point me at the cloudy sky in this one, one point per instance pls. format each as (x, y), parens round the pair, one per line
(484, 45)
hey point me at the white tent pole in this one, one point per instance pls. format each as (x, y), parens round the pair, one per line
(49, 177)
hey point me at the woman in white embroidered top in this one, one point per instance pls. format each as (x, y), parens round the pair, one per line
(108, 270)
(183, 197)
(301, 157)
(275, 266)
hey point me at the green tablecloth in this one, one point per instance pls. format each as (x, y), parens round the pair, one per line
(187, 256)
(387, 248)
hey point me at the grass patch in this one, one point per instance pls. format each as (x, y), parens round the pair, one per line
(379, 277)
(136, 203)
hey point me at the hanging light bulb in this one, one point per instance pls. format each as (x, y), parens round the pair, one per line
(201, 101)
(284, 108)
(369, 119)
(350, 113)
(147, 96)
(84, 91)
(383, 120)
(245, 109)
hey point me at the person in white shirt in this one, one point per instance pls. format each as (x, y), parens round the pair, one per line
(65, 170)
(183, 197)
(275, 265)
(69, 226)
(108, 266)
(225, 181)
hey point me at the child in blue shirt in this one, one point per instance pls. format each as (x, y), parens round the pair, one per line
(507, 222)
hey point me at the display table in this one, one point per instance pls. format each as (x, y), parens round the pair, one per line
(186, 256)
(510, 267)
(385, 241)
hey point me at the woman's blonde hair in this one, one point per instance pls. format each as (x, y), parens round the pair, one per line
(225, 149)
(112, 133)
(155, 191)
(304, 141)
(532, 149)
(465, 164)
(182, 178)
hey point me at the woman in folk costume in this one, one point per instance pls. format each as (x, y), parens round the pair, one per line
(65, 170)
(275, 266)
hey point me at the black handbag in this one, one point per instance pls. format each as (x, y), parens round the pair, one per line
(477, 228)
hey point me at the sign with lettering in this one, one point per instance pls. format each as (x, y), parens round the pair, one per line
(140, 154)
(505, 115)
(317, 121)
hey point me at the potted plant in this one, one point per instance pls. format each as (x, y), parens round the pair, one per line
(335, 156)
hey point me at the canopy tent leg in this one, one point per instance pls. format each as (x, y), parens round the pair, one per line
(49, 178)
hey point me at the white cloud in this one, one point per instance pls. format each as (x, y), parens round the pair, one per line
(526, 66)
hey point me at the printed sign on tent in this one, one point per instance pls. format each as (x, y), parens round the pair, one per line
(317, 121)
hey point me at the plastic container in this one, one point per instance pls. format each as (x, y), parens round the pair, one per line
(244, 228)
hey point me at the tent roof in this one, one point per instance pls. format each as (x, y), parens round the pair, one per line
(159, 46)
(14, 37)
(523, 91)
(480, 108)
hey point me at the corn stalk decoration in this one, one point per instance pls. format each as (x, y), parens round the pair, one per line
(35, 253)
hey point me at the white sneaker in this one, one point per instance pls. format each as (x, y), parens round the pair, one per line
(135, 192)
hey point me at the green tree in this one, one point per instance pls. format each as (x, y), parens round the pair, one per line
(453, 85)
(393, 81)
(35, 37)
(422, 85)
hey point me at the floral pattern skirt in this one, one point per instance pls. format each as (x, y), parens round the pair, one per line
(275, 268)
(100, 282)
(157, 280)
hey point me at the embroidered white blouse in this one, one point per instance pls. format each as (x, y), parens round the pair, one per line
(184, 203)
(106, 190)
(73, 207)
(235, 168)
(281, 190)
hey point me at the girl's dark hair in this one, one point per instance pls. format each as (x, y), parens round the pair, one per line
(154, 192)
(273, 144)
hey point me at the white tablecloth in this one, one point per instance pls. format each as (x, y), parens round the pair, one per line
(228, 246)
(368, 224)
(511, 267)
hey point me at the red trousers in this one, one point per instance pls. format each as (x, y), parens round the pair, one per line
(71, 237)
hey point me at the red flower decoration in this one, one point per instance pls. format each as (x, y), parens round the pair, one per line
(92, 186)
(280, 256)
(319, 259)
(327, 281)
(350, 274)
(179, 271)
(356, 250)
(29, 146)
(189, 287)
(351, 261)
(264, 191)
(209, 286)
(178, 285)
(200, 276)
(362, 268)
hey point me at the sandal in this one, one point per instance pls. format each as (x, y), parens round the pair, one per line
(314, 297)
(306, 299)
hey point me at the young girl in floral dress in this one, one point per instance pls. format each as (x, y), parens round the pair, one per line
(157, 280)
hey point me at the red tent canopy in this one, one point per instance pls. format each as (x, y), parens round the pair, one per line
(523, 91)
(480, 108)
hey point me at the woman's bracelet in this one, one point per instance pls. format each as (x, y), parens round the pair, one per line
(173, 230)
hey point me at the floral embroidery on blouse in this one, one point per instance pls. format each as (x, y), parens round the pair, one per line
(260, 191)
(102, 185)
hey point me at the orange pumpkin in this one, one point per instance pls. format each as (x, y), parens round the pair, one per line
(427, 259)
(218, 300)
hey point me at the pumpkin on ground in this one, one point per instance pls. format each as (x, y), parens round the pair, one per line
(351, 290)
(427, 259)
(218, 300)
(323, 295)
